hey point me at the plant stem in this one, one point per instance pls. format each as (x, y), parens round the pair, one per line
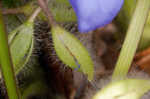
(44, 6)
(34, 15)
(6, 63)
(132, 39)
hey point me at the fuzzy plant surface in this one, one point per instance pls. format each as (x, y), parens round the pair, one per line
(20, 41)
(61, 10)
(68, 48)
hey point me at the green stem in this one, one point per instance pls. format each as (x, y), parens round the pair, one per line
(34, 15)
(6, 63)
(132, 39)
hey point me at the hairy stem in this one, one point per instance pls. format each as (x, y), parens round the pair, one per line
(34, 15)
(44, 6)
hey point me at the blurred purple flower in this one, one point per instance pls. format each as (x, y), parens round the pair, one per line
(92, 14)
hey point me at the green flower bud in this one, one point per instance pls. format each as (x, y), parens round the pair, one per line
(21, 45)
(124, 89)
(71, 52)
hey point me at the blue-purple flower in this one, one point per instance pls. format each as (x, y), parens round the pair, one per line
(92, 14)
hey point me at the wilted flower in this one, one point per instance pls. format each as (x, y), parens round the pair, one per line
(92, 14)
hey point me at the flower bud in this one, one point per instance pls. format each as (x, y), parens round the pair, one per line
(124, 89)
(21, 45)
(93, 14)
(71, 52)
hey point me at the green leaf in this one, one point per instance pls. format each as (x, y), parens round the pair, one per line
(70, 51)
(124, 89)
(21, 45)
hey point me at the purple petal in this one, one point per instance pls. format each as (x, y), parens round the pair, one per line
(92, 14)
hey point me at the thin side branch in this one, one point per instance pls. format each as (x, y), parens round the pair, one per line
(11, 11)
(34, 15)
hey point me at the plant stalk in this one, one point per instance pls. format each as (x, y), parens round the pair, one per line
(6, 63)
(34, 15)
(48, 13)
(132, 39)
(12, 11)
